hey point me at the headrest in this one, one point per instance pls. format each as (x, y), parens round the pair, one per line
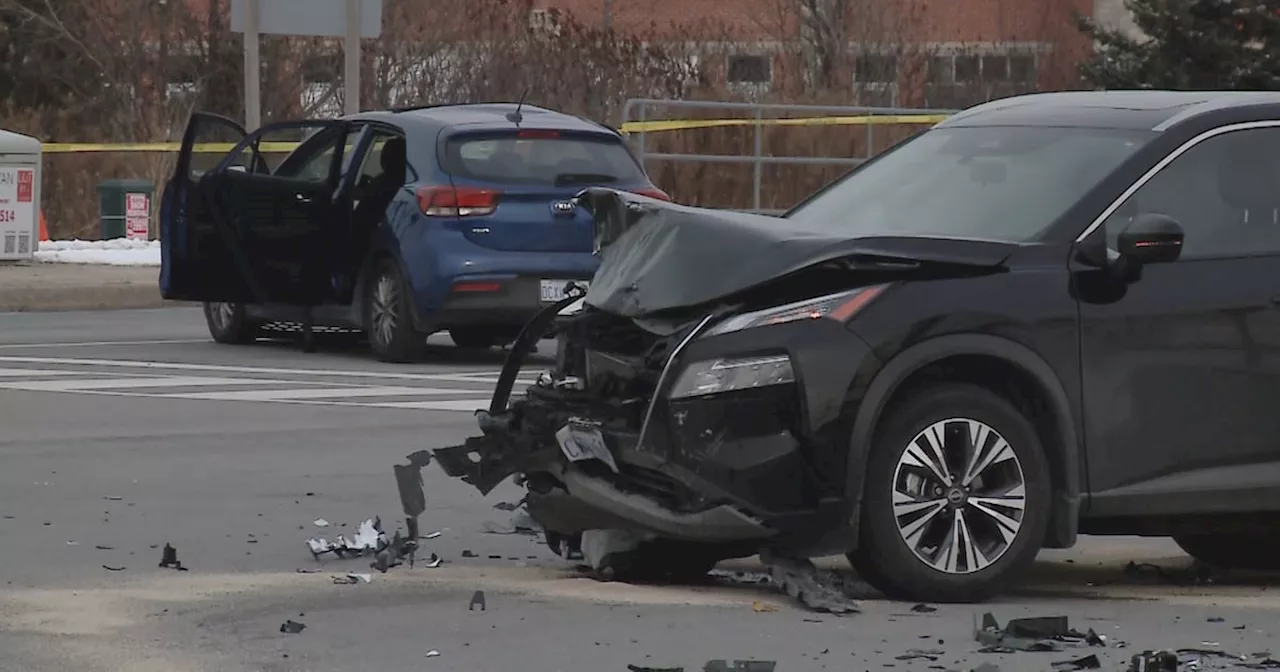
(394, 155)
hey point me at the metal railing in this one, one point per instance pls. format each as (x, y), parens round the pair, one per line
(760, 115)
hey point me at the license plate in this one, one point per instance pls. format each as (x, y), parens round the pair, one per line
(554, 290)
(580, 441)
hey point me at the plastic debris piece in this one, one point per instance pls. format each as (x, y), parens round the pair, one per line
(477, 599)
(433, 535)
(1020, 634)
(169, 559)
(292, 627)
(468, 553)
(109, 568)
(321, 522)
(112, 498)
(762, 607)
(105, 548)
(923, 609)
(1154, 661)
(639, 668)
(367, 578)
(506, 506)
(915, 654)
(73, 543)
(345, 580)
(434, 561)
(817, 590)
(308, 570)
(433, 653)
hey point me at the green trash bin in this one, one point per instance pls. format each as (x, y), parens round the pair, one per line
(125, 208)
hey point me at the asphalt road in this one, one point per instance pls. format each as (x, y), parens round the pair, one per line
(123, 431)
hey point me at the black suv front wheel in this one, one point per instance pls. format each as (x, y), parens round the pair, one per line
(957, 497)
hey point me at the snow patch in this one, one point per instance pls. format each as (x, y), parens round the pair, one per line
(115, 252)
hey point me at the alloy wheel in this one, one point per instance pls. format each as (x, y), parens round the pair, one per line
(223, 314)
(383, 312)
(959, 496)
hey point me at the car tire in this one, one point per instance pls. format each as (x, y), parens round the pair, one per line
(907, 557)
(1250, 552)
(229, 325)
(483, 337)
(388, 317)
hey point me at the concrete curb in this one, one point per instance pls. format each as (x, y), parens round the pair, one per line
(58, 287)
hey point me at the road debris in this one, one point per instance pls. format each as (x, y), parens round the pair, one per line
(308, 570)
(109, 568)
(639, 668)
(73, 543)
(468, 553)
(105, 548)
(740, 666)
(508, 506)
(169, 559)
(818, 590)
(112, 498)
(1154, 661)
(762, 607)
(432, 535)
(433, 653)
(477, 600)
(363, 542)
(347, 580)
(292, 627)
(916, 654)
(1197, 574)
(923, 609)
(520, 523)
(320, 522)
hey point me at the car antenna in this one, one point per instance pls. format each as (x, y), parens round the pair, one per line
(515, 117)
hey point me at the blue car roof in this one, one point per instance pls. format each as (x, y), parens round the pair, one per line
(482, 116)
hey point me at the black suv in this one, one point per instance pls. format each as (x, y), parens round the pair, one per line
(1048, 315)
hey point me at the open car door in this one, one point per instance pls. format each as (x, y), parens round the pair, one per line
(234, 233)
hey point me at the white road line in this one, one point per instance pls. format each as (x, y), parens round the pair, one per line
(337, 393)
(18, 373)
(449, 405)
(85, 344)
(125, 383)
(226, 368)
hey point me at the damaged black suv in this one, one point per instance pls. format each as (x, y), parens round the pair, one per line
(1048, 315)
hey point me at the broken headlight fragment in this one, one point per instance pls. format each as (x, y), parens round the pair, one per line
(730, 374)
(839, 307)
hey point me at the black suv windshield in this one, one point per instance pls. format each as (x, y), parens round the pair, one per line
(983, 182)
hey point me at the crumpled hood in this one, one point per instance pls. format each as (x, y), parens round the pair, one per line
(658, 256)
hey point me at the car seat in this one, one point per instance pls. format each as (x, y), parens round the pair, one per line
(378, 195)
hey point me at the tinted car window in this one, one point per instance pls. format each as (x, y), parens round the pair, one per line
(556, 160)
(1224, 192)
(311, 161)
(992, 183)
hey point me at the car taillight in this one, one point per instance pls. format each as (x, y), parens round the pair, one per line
(653, 192)
(457, 201)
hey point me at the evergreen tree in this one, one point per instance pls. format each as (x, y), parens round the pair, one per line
(1189, 45)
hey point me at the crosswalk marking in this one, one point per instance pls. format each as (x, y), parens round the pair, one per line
(65, 385)
(453, 392)
(19, 373)
(320, 393)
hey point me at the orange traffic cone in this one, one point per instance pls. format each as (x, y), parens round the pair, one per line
(44, 229)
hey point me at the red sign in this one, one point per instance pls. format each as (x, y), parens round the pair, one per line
(26, 185)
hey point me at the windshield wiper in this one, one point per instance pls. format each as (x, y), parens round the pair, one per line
(567, 179)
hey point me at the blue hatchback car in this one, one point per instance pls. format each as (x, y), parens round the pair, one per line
(395, 224)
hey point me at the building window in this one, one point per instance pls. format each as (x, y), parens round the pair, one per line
(1022, 68)
(749, 69)
(180, 91)
(940, 70)
(995, 68)
(876, 68)
(968, 69)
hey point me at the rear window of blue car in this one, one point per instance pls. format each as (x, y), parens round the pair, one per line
(541, 158)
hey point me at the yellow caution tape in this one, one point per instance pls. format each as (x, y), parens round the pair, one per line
(656, 126)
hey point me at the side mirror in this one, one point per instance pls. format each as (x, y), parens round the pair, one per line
(1151, 238)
